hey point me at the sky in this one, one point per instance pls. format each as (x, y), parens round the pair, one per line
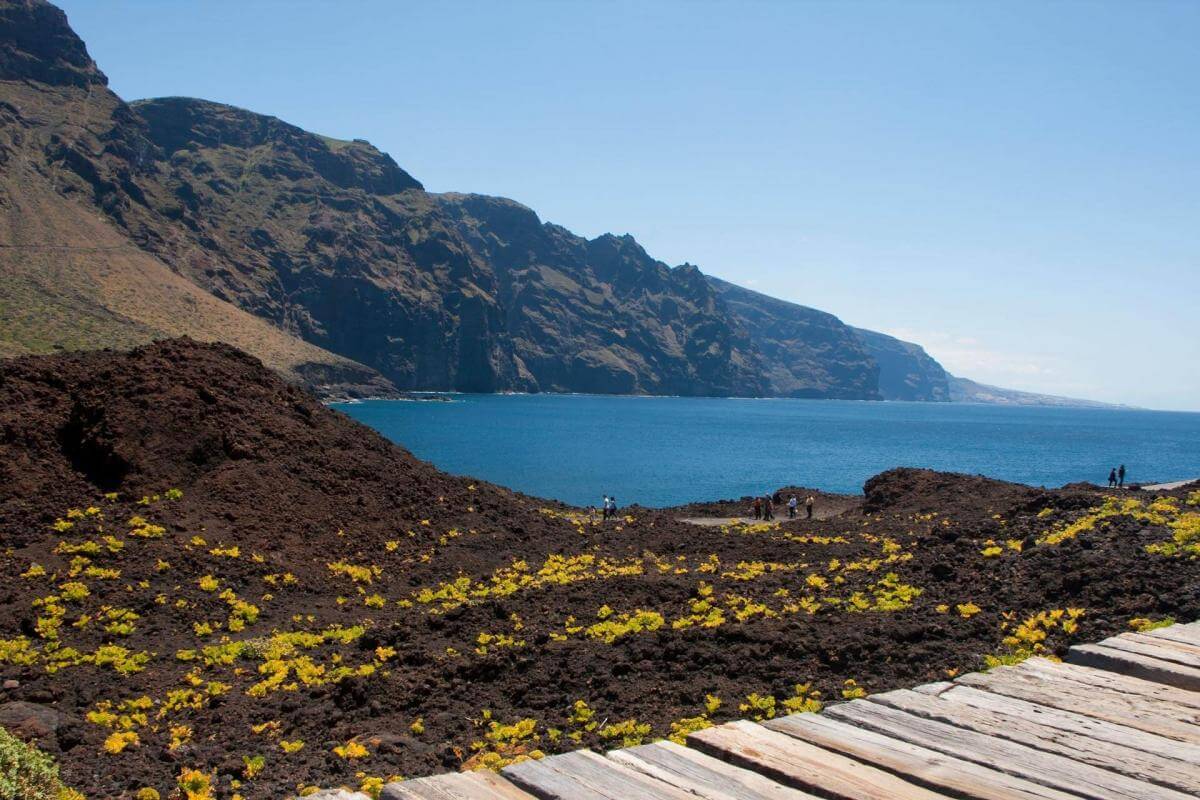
(1015, 186)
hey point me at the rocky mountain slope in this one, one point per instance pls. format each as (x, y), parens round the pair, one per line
(330, 243)
(123, 223)
(72, 161)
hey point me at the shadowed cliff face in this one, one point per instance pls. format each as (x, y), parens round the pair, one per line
(805, 352)
(602, 315)
(329, 240)
(906, 371)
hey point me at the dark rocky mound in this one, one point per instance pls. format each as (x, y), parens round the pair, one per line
(214, 422)
(906, 489)
(400, 603)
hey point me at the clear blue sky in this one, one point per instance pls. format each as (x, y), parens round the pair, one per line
(1014, 185)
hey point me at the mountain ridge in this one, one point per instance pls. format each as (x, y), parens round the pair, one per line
(339, 254)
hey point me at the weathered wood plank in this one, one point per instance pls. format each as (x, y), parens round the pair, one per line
(933, 688)
(584, 775)
(1136, 764)
(418, 789)
(1139, 666)
(1183, 753)
(690, 770)
(543, 781)
(802, 765)
(1163, 641)
(1002, 755)
(918, 764)
(1123, 709)
(1182, 699)
(1177, 633)
(1153, 649)
(455, 786)
(499, 788)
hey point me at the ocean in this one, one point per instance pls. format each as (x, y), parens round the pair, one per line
(663, 451)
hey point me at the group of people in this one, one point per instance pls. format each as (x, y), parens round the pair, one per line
(1116, 478)
(608, 507)
(764, 507)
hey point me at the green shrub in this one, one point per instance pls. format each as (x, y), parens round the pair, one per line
(27, 773)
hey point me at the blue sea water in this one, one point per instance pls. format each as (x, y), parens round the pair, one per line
(660, 451)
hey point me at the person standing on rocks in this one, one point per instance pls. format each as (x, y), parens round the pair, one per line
(1112, 478)
(1121, 477)
(792, 507)
(604, 508)
(808, 505)
(758, 508)
(768, 509)
(612, 506)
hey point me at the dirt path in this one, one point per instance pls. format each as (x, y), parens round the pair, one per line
(716, 522)
(1166, 487)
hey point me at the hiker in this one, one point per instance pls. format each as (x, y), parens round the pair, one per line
(758, 508)
(1112, 478)
(768, 510)
(1121, 477)
(808, 504)
(612, 506)
(792, 507)
(604, 507)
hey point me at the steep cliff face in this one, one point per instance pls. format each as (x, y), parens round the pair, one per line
(602, 315)
(906, 371)
(804, 352)
(329, 240)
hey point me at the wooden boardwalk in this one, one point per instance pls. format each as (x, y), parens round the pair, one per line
(1120, 720)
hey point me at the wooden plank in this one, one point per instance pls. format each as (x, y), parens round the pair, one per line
(1139, 666)
(1177, 633)
(918, 764)
(417, 789)
(1178, 699)
(1002, 755)
(455, 786)
(933, 688)
(690, 770)
(1163, 641)
(499, 789)
(1182, 753)
(1123, 709)
(1154, 649)
(803, 766)
(1136, 764)
(584, 775)
(543, 781)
